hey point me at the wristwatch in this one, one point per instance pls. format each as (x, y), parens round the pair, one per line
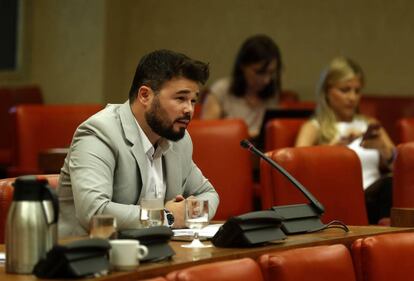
(169, 218)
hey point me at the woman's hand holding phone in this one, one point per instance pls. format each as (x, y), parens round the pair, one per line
(371, 138)
(375, 137)
(371, 132)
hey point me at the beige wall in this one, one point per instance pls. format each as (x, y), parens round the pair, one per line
(64, 48)
(87, 51)
(67, 50)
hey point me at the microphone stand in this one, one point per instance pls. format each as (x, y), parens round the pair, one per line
(298, 218)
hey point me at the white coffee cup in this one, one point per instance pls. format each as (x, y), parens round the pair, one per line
(125, 254)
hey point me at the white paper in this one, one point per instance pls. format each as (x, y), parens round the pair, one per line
(2, 257)
(208, 231)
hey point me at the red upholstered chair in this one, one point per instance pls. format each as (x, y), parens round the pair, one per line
(39, 127)
(384, 257)
(197, 111)
(5, 127)
(403, 177)
(9, 97)
(388, 109)
(282, 132)
(320, 263)
(288, 104)
(233, 270)
(289, 96)
(218, 154)
(331, 173)
(6, 196)
(405, 130)
(29, 94)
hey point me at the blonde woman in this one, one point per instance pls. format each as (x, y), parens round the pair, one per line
(338, 122)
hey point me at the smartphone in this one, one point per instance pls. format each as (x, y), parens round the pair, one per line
(371, 132)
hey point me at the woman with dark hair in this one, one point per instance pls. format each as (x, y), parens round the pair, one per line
(254, 86)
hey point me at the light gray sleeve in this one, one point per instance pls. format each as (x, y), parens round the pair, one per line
(91, 164)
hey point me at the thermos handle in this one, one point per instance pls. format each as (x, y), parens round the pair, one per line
(51, 194)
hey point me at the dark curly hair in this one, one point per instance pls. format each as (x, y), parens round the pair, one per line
(158, 67)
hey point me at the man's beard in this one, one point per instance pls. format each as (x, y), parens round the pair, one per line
(157, 119)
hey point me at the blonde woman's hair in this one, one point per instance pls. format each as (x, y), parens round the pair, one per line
(339, 70)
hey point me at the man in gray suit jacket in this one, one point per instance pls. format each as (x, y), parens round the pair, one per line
(138, 149)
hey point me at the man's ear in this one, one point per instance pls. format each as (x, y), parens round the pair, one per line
(145, 95)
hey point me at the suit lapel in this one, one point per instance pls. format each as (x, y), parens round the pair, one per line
(130, 128)
(173, 173)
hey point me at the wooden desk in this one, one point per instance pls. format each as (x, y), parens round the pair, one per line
(402, 217)
(51, 160)
(188, 257)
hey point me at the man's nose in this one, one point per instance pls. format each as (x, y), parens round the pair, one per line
(189, 107)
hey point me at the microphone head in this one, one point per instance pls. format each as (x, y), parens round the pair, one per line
(245, 144)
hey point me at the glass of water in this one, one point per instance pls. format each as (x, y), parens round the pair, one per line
(103, 226)
(152, 212)
(196, 217)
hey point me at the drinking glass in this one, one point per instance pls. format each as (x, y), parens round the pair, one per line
(103, 226)
(152, 212)
(196, 217)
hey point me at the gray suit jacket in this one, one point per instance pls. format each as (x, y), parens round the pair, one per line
(105, 170)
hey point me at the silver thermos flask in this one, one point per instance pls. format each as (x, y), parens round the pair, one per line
(31, 226)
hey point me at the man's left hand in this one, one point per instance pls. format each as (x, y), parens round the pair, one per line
(177, 207)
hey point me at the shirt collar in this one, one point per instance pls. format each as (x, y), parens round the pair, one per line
(163, 145)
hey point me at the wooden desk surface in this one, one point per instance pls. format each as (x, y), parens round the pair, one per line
(189, 257)
(402, 217)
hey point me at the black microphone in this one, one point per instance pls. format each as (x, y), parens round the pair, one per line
(315, 203)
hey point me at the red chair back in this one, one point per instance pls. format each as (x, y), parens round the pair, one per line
(197, 111)
(388, 109)
(288, 104)
(218, 154)
(384, 257)
(289, 96)
(39, 127)
(320, 263)
(233, 270)
(405, 130)
(6, 197)
(403, 176)
(282, 132)
(11, 97)
(331, 173)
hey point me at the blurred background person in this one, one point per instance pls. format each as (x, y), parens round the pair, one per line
(254, 86)
(338, 122)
